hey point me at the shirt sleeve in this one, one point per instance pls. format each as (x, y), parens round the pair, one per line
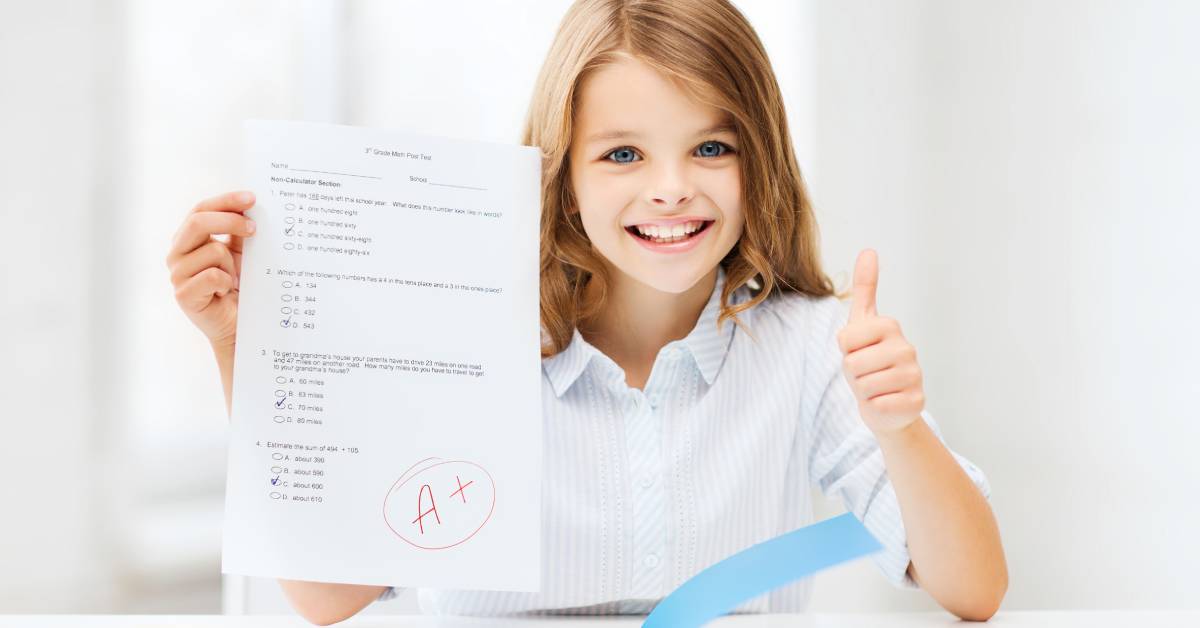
(845, 460)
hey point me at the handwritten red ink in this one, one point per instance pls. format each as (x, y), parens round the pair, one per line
(420, 520)
(462, 521)
(461, 486)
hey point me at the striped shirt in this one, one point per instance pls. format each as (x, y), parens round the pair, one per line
(642, 489)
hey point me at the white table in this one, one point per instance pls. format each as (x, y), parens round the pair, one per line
(1013, 619)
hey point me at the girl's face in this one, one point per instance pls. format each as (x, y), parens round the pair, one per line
(655, 175)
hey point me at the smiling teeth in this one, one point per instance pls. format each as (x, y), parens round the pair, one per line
(674, 231)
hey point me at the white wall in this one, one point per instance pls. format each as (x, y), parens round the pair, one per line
(50, 334)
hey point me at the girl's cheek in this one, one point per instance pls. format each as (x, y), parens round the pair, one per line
(729, 204)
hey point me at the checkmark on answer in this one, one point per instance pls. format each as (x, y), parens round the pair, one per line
(275, 480)
(279, 404)
(288, 231)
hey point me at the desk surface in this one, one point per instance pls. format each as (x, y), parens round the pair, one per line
(1011, 619)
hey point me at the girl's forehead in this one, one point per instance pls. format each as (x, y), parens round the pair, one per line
(628, 74)
(628, 98)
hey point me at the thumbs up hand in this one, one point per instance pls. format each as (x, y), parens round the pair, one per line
(880, 365)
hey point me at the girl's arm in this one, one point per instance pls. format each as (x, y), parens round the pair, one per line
(321, 603)
(224, 355)
(952, 535)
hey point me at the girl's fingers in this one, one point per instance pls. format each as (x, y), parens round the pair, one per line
(909, 402)
(198, 228)
(866, 332)
(877, 357)
(238, 201)
(890, 380)
(197, 293)
(214, 253)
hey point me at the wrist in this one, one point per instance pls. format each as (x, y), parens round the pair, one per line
(903, 436)
(223, 346)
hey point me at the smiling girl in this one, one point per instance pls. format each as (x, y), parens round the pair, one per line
(700, 373)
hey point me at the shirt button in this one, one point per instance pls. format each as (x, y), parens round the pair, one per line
(647, 481)
(651, 560)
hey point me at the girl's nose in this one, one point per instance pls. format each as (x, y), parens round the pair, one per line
(665, 200)
(670, 187)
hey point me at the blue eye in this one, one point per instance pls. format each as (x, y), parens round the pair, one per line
(621, 151)
(711, 148)
(720, 147)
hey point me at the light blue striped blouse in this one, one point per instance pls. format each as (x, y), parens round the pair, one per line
(644, 489)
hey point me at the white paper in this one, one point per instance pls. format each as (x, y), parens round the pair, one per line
(388, 352)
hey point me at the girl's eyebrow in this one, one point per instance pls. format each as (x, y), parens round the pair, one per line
(621, 134)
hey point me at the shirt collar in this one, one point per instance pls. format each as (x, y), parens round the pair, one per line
(707, 345)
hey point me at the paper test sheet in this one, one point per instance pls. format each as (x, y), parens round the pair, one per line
(386, 417)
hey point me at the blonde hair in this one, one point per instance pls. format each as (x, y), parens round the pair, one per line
(708, 49)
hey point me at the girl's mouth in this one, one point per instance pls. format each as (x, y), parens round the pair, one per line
(669, 239)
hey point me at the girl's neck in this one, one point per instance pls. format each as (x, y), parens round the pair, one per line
(637, 320)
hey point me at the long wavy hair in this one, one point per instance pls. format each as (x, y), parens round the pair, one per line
(708, 49)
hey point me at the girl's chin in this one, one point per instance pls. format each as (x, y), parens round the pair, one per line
(674, 281)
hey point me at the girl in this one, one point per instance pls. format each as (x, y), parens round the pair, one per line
(699, 370)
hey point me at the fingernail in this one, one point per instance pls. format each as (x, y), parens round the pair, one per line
(249, 226)
(245, 197)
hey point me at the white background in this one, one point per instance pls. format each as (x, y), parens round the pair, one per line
(1026, 171)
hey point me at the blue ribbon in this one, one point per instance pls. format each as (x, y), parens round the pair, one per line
(762, 568)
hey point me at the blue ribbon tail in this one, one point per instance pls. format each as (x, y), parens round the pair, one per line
(761, 568)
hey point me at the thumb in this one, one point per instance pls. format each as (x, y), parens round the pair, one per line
(866, 276)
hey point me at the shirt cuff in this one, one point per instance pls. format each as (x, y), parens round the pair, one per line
(883, 520)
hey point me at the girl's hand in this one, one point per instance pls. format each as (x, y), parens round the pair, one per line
(204, 270)
(880, 365)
